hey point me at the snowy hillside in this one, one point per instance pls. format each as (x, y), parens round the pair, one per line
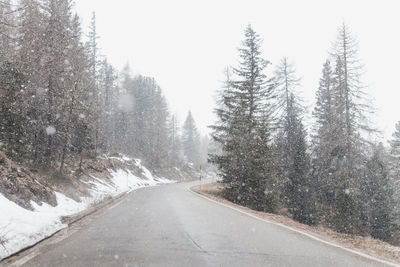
(20, 227)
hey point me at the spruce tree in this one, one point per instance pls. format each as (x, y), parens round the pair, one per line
(377, 196)
(347, 145)
(175, 143)
(13, 118)
(294, 167)
(191, 140)
(395, 169)
(243, 131)
(395, 150)
(324, 114)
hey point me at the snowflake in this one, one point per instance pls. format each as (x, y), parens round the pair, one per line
(50, 130)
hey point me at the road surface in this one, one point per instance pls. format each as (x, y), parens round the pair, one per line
(171, 226)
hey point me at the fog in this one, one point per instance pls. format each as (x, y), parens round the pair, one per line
(186, 45)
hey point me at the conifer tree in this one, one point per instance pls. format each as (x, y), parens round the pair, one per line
(191, 140)
(339, 134)
(13, 119)
(243, 130)
(175, 143)
(394, 168)
(349, 118)
(395, 150)
(294, 167)
(324, 114)
(377, 196)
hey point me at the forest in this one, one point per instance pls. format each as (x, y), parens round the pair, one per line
(60, 97)
(330, 172)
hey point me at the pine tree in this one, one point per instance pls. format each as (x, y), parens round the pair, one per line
(13, 119)
(75, 107)
(58, 19)
(395, 150)
(294, 167)
(346, 152)
(31, 55)
(377, 197)
(108, 90)
(191, 140)
(339, 149)
(300, 188)
(175, 143)
(94, 93)
(346, 138)
(243, 130)
(324, 113)
(395, 168)
(159, 130)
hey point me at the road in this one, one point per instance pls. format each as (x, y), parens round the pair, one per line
(171, 226)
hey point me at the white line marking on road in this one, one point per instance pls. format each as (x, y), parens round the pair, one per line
(300, 232)
(115, 205)
(25, 259)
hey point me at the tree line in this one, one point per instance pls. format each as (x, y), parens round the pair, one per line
(60, 98)
(334, 175)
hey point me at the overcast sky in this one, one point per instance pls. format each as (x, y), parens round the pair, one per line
(185, 45)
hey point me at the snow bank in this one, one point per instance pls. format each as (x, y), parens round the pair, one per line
(21, 228)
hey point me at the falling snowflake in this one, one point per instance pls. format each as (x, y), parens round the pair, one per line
(347, 191)
(82, 116)
(50, 130)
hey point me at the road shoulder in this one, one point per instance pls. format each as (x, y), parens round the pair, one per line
(372, 249)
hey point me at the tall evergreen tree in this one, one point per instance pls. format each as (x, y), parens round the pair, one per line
(395, 169)
(342, 119)
(395, 150)
(175, 142)
(294, 167)
(13, 118)
(243, 130)
(191, 140)
(95, 94)
(323, 136)
(349, 121)
(31, 54)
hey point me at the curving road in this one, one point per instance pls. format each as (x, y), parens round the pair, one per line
(171, 226)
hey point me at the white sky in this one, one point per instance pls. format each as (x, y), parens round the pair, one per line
(185, 45)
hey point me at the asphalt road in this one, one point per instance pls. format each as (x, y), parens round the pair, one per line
(171, 226)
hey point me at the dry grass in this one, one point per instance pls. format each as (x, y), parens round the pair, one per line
(366, 245)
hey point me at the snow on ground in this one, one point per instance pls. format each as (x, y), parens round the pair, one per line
(20, 228)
